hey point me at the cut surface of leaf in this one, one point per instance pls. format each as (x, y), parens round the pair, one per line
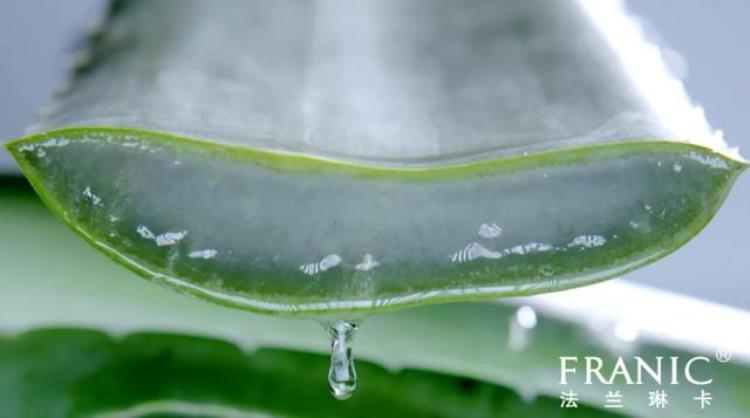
(294, 235)
(334, 159)
(41, 267)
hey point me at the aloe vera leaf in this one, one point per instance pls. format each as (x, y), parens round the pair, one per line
(69, 285)
(327, 159)
(167, 375)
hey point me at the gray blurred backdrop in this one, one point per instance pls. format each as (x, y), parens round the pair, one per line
(707, 47)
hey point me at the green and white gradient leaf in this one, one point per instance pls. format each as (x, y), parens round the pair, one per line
(51, 280)
(80, 373)
(320, 158)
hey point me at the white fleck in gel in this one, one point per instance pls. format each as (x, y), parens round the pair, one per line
(170, 238)
(328, 262)
(145, 232)
(162, 240)
(714, 162)
(368, 263)
(532, 247)
(474, 251)
(55, 142)
(588, 241)
(91, 196)
(490, 231)
(204, 254)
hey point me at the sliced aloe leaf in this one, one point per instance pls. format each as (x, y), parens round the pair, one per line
(307, 236)
(326, 158)
(50, 279)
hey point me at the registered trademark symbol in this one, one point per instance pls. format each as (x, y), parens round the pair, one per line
(723, 356)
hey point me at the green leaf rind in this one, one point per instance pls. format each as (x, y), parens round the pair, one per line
(676, 204)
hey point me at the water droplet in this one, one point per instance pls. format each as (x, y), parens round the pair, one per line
(521, 326)
(620, 337)
(626, 331)
(342, 378)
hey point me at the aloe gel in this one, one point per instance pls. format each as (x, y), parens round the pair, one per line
(294, 235)
(332, 160)
(513, 343)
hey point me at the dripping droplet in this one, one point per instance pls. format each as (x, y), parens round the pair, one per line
(342, 378)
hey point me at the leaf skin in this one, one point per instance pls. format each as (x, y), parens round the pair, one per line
(329, 159)
(295, 235)
(82, 373)
(50, 279)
